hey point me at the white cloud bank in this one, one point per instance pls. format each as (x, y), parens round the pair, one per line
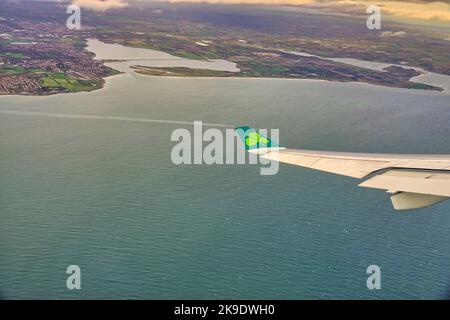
(101, 5)
(414, 9)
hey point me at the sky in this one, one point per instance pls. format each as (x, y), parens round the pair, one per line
(413, 9)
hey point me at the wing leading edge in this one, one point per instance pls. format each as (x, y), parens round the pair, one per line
(415, 181)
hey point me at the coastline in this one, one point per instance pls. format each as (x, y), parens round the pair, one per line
(120, 65)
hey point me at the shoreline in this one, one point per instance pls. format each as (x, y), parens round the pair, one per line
(107, 79)
(292, 79)
(131, 72)
(425, 78)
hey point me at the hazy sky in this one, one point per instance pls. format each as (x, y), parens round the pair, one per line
(415, 9)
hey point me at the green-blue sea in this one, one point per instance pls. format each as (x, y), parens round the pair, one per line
(104, 195)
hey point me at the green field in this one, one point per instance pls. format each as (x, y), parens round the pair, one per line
(15, 55)
(56, 80)
(11, 69)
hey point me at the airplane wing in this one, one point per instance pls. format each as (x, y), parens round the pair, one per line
(415, 181)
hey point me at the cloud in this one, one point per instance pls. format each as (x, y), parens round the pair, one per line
(291, 2)
(413, 9)
(423, 10)
(393, 34)
(101, 5)
(438, 11)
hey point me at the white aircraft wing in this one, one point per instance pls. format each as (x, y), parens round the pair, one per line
(414, 180)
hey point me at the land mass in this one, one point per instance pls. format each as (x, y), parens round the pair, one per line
(39, 55)
(392, 76)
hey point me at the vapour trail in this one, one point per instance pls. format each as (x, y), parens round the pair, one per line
(113, 118)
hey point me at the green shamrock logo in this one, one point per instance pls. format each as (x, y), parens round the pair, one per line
(254, 138)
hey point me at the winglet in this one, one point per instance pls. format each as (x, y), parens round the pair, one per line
(253, 140)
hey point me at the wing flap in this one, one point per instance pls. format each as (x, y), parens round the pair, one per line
(409, 200)
(424, 164)
(423, 182)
